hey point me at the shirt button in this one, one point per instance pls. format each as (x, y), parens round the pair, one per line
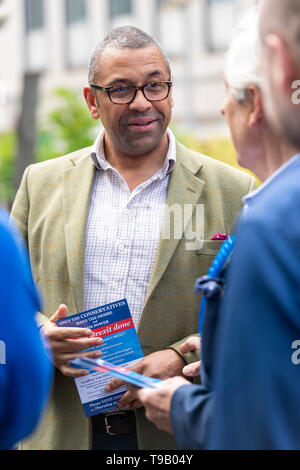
(114, 285)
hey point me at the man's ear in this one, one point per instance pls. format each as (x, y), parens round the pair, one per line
(91, 102)
(283, 65)
(256, 111)
(171, 92)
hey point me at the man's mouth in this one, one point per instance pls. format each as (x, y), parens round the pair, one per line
(142, 124)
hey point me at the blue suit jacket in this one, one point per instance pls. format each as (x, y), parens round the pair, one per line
(25, 370)
(192, 405)
(256, 384)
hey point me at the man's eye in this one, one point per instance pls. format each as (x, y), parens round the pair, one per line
(155, 85)
(120, 89)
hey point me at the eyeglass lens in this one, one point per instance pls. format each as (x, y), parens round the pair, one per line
(152, 91)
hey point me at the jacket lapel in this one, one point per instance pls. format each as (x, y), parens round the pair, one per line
(184, 188)
(77, 187)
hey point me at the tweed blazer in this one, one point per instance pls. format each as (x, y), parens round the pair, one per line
(51, 210)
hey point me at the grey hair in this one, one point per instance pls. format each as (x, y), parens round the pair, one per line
(123, 37)
(242, 62)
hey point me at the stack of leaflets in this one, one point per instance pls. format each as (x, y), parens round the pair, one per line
(122, 373)
(121, 347)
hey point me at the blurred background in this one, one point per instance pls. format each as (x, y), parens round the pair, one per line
(45, 47)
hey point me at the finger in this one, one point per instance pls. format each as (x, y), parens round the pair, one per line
(125, 400)
(190, 344)
(142, 395)
(73, 346)
(65, 357)
(61, 333)
(69, 371)
(81, 344)
(114, 384)
(135, 405)
(192, 370)
(61, 312)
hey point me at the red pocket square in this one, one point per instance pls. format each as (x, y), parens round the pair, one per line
(219, 236)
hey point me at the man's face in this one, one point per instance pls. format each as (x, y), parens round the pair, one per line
(136, 128)
(237, 118)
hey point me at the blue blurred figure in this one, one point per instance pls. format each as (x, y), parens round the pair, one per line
(25, 369)
(256, 380)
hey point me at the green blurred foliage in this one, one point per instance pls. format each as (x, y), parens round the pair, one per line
(7, 162)
(69, 127)
(2, 18)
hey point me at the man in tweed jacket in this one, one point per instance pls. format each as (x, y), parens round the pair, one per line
(60, 211)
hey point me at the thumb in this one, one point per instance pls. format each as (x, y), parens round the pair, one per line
(61, 312)
(191, 344)
(142, 394)
(192, 370)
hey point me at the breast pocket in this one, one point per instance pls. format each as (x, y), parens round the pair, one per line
(210, 248)
(206, 255)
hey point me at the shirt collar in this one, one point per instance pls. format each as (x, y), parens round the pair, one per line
(99, 160)
(251, 198)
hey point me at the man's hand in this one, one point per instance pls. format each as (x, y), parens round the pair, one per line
(65, 346)
(193, 343)
(161, 365)
(157, 401)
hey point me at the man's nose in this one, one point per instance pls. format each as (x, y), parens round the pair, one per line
(140, 103)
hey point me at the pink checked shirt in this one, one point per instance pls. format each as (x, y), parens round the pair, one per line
(123, 232)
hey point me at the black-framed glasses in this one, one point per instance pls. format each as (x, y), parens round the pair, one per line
(125, 94)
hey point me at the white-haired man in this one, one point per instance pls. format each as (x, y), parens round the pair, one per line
(251, 398)
(257, 373)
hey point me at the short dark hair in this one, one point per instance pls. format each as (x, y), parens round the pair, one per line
(123, 37)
